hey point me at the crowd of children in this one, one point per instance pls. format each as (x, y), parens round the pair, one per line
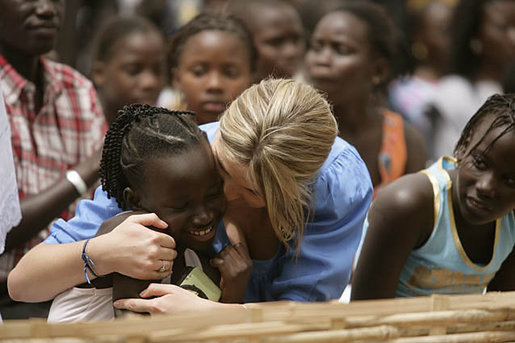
(268, 161)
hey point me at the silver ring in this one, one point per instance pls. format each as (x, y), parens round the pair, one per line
(163, 267)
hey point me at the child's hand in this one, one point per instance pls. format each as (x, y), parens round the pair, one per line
(132, 249)
(235, 266)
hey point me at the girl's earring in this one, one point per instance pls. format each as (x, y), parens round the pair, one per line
(476, 46)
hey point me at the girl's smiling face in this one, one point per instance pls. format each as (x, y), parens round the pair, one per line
(186, 191)
(485, 183)
(213, 69)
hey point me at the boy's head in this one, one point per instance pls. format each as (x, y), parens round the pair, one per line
(29, 27)
(485, 187)
(159, 161)
(278, 34)
(129, 62)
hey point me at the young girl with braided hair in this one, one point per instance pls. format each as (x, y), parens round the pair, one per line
(211, 59)
(158, 161)
(451, 228)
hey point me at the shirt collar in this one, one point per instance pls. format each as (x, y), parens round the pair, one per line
(13, 84)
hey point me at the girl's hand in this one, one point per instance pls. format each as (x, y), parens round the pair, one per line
(167, 299)
(132, 249)
(235, 266)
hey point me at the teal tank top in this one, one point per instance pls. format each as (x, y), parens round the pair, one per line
(441, 265)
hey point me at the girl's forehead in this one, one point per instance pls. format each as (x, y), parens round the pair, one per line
(485, 134)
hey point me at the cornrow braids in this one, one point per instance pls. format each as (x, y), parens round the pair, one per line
(139, 133)
(500, 106)
(211, 22)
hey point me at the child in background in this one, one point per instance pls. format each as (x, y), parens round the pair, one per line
(158, 161)
(212, 59)
(451, 228)
(129, 64)
(278, 36)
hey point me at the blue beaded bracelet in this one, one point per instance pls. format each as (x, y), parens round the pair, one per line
(88, 263)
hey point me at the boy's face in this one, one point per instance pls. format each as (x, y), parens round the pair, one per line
(185, 191)
(340, 55)
(134, 72)
(486, 181)
(28, 26)
(279, 39)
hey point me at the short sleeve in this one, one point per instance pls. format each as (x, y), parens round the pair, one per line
(89, 215)
(342, 195)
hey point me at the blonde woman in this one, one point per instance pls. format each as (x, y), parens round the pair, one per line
(297, 198)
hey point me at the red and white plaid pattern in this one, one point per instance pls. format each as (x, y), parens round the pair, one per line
(69, 127)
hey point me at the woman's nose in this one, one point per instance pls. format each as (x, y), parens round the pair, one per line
(231, 190)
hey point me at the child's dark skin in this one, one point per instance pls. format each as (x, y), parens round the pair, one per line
(402, 219)
(185, 191)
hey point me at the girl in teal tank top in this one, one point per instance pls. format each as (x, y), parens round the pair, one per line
(449, 229)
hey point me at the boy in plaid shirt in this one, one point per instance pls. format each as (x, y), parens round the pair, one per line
(57, 128)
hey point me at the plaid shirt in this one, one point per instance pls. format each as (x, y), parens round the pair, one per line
(69, 127)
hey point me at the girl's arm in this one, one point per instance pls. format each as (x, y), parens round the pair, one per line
(235, 266)
(504, 279)
(400, 219)
(49, 269)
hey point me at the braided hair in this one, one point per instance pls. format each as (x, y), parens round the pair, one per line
(142, 132)
(211, 22)
(500, 106)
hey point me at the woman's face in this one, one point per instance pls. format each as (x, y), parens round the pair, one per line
(238, 189)
(213, 69)
(339, 61)
(497, 33)
(134, 72)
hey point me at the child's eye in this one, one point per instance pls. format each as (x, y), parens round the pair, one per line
(231, 72)
(315, 46)
(342, 49)
(132, 69)
(479, 162)
(275, 42)
(198, 71)
(179, 206)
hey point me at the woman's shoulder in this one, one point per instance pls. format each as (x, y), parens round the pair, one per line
(344, 175)
(210, 129)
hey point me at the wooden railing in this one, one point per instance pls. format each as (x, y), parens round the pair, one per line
(460, 318)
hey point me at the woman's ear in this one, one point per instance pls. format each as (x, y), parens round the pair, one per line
(98, 73)
(380, 71)
(132, 199)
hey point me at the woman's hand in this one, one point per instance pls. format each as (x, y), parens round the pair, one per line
(132, 249)
(169, 299)
(235, 266)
